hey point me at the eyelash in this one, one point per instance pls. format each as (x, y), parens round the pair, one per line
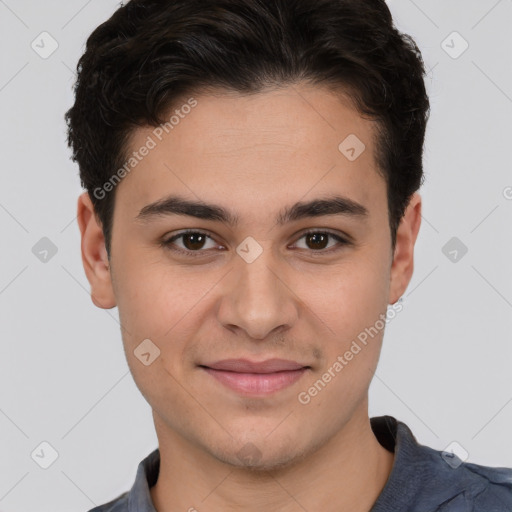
(168, 243)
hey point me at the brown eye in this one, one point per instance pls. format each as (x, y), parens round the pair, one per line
(192, 243)
(318, 241)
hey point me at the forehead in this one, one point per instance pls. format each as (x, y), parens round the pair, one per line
(279, 144)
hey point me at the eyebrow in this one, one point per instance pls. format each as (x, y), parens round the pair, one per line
(175, 205)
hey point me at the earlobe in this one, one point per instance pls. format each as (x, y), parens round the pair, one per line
(94, 254)
(403, 258)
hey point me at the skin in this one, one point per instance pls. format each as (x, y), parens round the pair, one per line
(255, 155)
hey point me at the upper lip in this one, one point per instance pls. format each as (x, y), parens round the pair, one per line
(246, 366)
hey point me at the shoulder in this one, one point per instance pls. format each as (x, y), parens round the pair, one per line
(119, 504)
(138, 497)
(465, 487)
(489, 488)
(425, 479)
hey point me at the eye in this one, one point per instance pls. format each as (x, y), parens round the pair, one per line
(318, 241)
(193, 243)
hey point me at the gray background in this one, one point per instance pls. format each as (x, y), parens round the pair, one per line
(445, 368)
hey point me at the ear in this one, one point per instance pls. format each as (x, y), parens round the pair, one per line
(94, 254)
(403, 259)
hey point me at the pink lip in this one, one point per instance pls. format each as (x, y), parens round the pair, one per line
(246, 366)
(252, 378)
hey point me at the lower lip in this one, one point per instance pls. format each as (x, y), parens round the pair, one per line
(257, 383)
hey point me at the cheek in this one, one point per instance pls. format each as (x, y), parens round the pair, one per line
(152, 295)
(353, 307)
(351, 297)
(167, 305)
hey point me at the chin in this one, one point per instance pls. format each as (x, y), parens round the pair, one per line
(259, 464)
(259, 455)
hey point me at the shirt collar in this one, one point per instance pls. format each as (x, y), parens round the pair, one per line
(139, 497)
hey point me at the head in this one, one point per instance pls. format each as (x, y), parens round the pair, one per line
(275, 119)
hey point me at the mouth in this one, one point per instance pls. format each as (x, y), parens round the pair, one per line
(256, 378)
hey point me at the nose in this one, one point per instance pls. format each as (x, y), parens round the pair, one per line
(257, 297)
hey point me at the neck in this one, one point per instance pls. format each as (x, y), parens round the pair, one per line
(347, 473)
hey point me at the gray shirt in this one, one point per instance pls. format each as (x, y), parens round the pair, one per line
(422, 479)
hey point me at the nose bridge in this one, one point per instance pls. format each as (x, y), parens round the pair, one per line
(257, 300)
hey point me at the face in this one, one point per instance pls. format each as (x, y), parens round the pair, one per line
(289, 257)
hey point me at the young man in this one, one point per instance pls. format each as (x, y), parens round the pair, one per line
(252, 171)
